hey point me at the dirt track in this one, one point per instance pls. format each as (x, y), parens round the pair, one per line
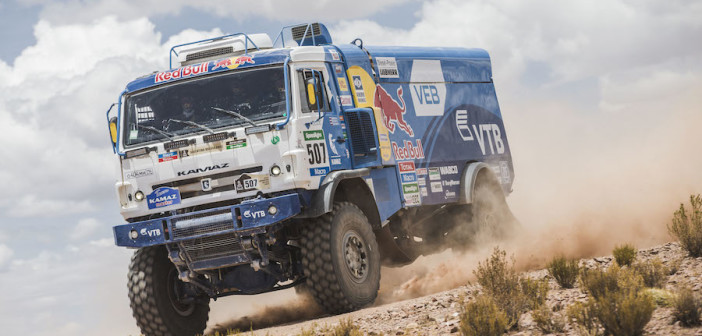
(437, 314)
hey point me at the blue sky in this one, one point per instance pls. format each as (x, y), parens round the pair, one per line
(600, 99)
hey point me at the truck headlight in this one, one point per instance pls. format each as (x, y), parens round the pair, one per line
(139, 196)
(272, 210)
(133, 234)
(275, 170)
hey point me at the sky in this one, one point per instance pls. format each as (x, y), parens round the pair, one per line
(601, 101)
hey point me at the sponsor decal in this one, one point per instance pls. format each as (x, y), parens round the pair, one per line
(275, 140)
(393, 111)
(504, 170)
(387, 67)
(202, 150)
(421, 181)
(316, 135)
(429, 96)
(332, 146)
(163, 197)
(206, 184)
(321, 171)
(233, 62)
(409, 151)
(165, 157)
(411, 194)
(436, 187)
(408, 177)
(150, 233)
(245, 183)
(342, 84)
(203, 170)
(450, 183)
(407, 166)
(423, 191)
(421, 171)
(449, 170)
(346, 100)
(336, 161)
(254, 214)
(234, 144)
(491, 134)
(434, 174)
(358, 89)
(139, 173)
(334, 54)
(449, 194)
(462, 125)
(334, 121)
(338, 69)
(186, 71)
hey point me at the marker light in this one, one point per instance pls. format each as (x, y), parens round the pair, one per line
(133, 234)
(275, 170)
(139, 196)
(272, 210)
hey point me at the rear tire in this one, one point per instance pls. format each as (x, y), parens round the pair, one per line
(153, 296)
(341, 259)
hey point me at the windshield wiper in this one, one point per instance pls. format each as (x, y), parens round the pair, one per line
(232, 113)
(191, 123)
(154, 129)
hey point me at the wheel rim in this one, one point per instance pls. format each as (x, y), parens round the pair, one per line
(356, 256)
(175, 290)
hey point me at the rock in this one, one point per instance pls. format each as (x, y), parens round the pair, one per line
(412, 325)
(454, 330)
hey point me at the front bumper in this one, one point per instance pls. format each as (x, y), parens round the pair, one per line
(249, 217)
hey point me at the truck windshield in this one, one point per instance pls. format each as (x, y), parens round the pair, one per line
(195, 106)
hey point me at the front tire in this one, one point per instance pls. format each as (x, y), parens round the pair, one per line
(341, 259)
(154, 296)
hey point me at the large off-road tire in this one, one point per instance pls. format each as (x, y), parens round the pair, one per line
(153, 287)
(341, 259)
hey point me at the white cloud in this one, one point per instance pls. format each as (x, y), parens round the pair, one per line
(31, 206)
(5, 256)
(85, 228)
(82, 11)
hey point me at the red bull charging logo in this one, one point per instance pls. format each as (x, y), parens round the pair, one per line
(393, 112)
(233, 63)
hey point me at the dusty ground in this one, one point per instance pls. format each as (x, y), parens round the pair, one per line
(438, 314)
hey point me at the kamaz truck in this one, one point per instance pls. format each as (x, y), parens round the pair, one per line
(254, 165)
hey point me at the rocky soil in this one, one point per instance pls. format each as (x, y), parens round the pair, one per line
(438, 314)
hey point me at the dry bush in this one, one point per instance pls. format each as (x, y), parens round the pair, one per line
(687, 308)
(565, 271)
(547, 321)
(511, 293)
(583, 315)
(653, 272)
(482, 317)
(618, 302)
(686, 226)
(624, 254)
(662, 297)
(346, 328)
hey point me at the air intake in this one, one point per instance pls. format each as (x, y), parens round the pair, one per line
(312, 34)
(208, 53)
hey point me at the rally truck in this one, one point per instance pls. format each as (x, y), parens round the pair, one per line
(253, 165)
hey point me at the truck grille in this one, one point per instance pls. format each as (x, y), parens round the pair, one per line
(211, 247)
(189, 226)
(299, 32)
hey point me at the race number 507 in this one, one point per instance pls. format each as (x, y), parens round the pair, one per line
(317, 153)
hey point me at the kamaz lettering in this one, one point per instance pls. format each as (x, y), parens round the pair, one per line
(203, 170)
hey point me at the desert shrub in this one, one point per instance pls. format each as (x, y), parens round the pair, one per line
(482, 317)
(624, 254)
(687, 308)
(547, 321)
(625, 312)
(661, 297)
(686, 226)
(565, 271)
(534, 291)
(583, 315)
(597, 282)
(653, 272)
(512, 294)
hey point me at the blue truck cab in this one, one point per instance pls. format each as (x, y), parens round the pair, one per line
(252, 166)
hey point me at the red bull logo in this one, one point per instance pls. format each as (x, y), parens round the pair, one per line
(408, 151)
(233, 63)
(186, 71)
(393, 112)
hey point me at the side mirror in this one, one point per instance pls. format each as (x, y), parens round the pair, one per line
(113, 130)
(311, 94)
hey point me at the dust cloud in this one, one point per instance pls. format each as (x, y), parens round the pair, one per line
(586, 180)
